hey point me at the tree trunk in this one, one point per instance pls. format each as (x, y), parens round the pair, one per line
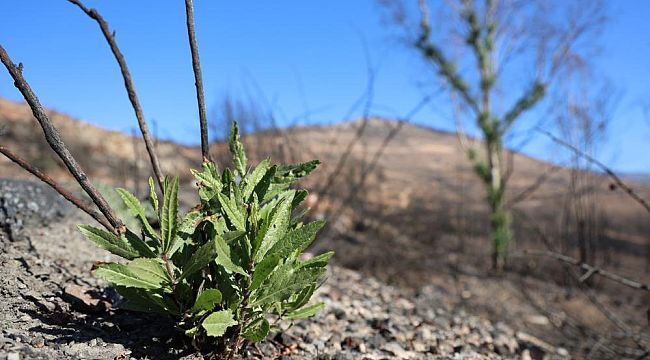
(500, 216)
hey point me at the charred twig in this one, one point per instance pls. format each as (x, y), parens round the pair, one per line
(196, 65)
(130, 88)
(48, 180)
(54, 139)
(590, 269)
(617, 180)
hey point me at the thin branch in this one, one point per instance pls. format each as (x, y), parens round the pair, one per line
(389, 137)
(590, 269)
(529, 190)
(445, 67)
(354, 192)
(48, 180)
(370, 92)
(617, 180)
(130, 88)
(196, 65)
(533, 95)
(54, 139)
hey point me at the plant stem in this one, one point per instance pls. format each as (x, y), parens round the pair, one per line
(196, 66)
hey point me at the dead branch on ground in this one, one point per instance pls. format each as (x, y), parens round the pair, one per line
(590, 270)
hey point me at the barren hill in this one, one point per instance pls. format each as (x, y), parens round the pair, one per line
(419, 219)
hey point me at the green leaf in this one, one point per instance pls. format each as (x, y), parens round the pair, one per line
(108, 241)
(207, 301)
(257, 331)
(192, 332)
(290, 173)
(122, 275)
(209, 177)
(209, 181)
(217, 322)
(263, 270)
(306, 311)
(233, 212)
(153, 197)
(184, 231)
(138, 211)
(201, 258)
(318, 261)
(255, 177)
(146, 301)
(149, 270)
(138, 244)
(237, 150)
(263, 185)
(230, 236)
(275, 228)
(169, 213)
(303, 297)
(297, 240)
(223, 256)
(300, 196)
(284, 282)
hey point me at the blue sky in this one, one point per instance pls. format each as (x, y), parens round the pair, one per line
(304, 56)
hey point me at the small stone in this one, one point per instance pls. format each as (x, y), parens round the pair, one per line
(38, 342)
(420, 347)
(396, 350)
(538, 320)
(13, 356)
(362, 348)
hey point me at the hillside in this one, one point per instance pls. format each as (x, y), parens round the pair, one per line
(419, 221)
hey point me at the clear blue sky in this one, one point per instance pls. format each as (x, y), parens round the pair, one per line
(303, 55)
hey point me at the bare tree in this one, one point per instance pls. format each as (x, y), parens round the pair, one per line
(582, 119)
(549, 39)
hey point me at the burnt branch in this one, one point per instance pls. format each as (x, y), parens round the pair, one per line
(617, 180)
(198, 77)
(48, 180)
(590, 270)
(130, 88)
(54, 140)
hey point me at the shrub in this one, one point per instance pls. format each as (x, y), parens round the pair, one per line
(227, 266)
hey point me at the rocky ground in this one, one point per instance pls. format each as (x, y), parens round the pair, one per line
(51, 307)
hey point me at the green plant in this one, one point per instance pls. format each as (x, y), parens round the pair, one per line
(230, 263)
